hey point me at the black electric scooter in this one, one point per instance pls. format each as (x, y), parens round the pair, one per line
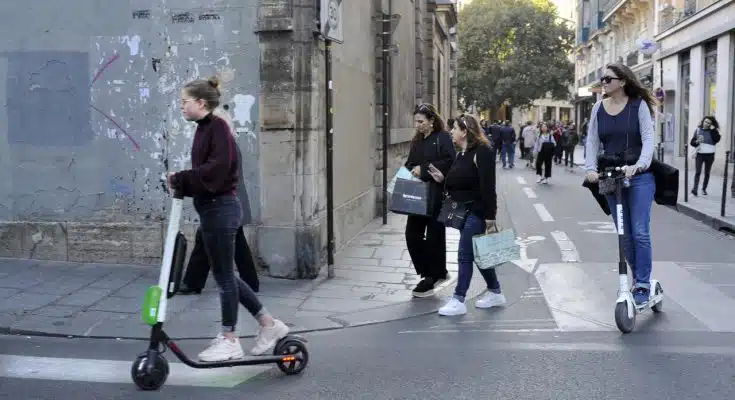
(150, 369)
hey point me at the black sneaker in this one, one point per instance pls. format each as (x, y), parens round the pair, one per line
(439, 281)
(425, 288)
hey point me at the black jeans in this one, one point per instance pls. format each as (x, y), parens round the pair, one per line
(569, 156)
(198, 267)
(544, 159)
(426, 243)
(707, 160)
(220, 218)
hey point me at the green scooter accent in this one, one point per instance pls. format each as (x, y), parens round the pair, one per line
(149, 312)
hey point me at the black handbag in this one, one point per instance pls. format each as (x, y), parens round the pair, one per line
(453, 213)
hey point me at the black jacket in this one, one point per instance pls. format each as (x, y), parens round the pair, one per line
(436, 149)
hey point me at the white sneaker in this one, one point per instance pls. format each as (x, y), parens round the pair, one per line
(222, 349)
(539, 180)
(453, 307)
(490, 299)
(268, 337)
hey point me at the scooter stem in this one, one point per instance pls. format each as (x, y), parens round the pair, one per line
(174, 219)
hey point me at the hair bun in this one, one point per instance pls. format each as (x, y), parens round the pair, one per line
(214, 81)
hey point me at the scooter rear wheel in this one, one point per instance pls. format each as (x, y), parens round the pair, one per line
(658, 307)
(624, 323)
(295, 347)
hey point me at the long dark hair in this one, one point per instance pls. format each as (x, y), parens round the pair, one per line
(633, 87)
(713, 120)
(428, 111)
(475, 136)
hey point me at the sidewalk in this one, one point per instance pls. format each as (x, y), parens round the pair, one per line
(373, 283)
(707, 208)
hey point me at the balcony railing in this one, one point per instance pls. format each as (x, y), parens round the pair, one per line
(670, 16)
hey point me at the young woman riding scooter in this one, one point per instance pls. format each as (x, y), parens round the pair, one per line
(623, 124)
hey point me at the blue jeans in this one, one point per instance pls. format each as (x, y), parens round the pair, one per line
(474, 225)
(637, 201)
(508, 150)
(220, 219)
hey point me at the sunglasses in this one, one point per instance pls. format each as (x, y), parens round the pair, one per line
(461, 122)
(425, 108)
(608, 79)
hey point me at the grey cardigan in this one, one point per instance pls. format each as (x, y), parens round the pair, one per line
(645, 121)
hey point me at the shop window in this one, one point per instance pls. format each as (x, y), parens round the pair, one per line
(710, 78)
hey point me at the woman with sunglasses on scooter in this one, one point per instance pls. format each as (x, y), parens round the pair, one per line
(623, 124)
(212, 183)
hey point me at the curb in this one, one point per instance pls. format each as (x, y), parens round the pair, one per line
(717, 223)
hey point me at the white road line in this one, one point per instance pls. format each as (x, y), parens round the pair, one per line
(576, 302)
(529, 192)
(543, 213)
(111, 371)
(568, 250)
(521, 180)
(531, 330)
(702, 300)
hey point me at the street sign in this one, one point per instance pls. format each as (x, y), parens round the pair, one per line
(331, 20)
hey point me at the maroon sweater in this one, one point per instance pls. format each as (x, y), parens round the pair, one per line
(214, 162)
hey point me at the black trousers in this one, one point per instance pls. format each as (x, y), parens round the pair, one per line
(198, 267)
(544, 159)
(426, 241)
(707, 160)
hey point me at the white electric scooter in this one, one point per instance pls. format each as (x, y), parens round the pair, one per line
(613, 180)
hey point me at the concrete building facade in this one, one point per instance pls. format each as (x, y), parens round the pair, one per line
(697, 63)
(91, 122)
(692, 71)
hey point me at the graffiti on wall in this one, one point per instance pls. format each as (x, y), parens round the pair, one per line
(93, 132)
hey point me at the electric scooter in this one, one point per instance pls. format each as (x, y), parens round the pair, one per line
(613, 180)
(150, 369)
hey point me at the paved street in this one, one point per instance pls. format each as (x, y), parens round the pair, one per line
(556, 338)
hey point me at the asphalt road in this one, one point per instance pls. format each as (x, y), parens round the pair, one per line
(385, 362)
(555, 339)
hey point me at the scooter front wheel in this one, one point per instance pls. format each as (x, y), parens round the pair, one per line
(149, 377)
(624, 323)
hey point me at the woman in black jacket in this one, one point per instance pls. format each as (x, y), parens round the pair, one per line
(704, 140)
(471, 183)
(425, 236)
(212, 183)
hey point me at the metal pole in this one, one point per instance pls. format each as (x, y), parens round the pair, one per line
(330, 158)
(686, 172)
(386, 29)
(724, 184)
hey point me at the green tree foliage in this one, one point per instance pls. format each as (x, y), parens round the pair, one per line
(514, 51)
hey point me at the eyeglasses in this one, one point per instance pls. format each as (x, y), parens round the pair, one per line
(608, 79)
